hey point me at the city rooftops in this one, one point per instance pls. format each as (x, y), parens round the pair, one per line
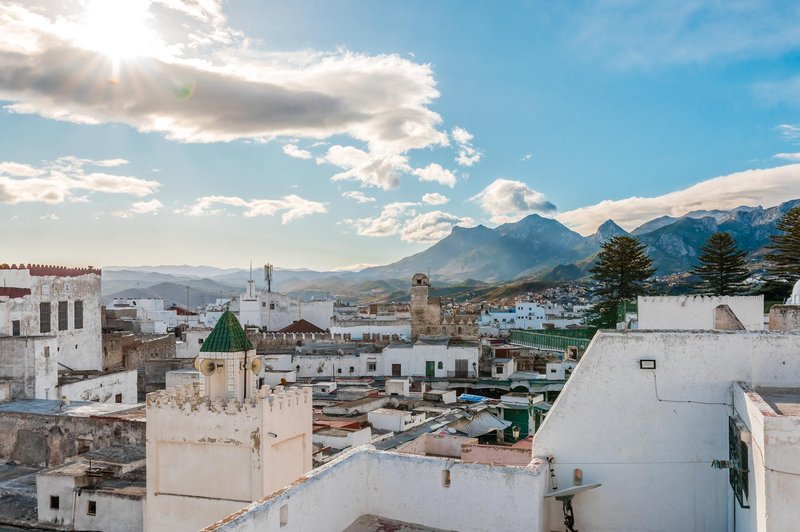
(53, 407)
(784, 401)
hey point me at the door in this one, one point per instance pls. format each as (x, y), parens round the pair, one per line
(430, 369)
(396, 370)
(461, 368)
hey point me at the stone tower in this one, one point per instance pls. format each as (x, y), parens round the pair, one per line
(426, 315)
(228, 362)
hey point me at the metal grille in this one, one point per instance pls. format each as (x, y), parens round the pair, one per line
(738, 455)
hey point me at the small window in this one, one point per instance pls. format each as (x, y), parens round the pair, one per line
(553, 370)
(47, 351)
(63, 315)
(15, 328)
(44, 317)
(118, 398)
(338, 370)
(54, 502)
(372, 366)
(200, 341)
(78, 318)
(264, 304)
(499, 370)
(272, 306)
(440, 365)
(91, 508)
(352, 369)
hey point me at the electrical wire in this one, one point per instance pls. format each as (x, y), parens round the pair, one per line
(688, 401)
(764, 460)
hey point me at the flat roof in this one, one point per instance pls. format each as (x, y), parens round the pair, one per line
(375, 523)
(785, 401)
(53, 407)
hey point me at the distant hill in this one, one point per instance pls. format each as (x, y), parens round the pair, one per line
(199, 292)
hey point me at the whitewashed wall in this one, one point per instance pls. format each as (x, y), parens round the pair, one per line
(654, 456)
(103, 388)
(690, 313)
(412, 359)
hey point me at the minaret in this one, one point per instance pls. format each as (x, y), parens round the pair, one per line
(228, 361)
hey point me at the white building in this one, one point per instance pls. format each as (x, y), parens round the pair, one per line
(529, 315)
(697, 312)
(432, 357)
(51, 336)
(273, 311)
(655, 430)
(217, 447)
(395, 420)
(152, 316)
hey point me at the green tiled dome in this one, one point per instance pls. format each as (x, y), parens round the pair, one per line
(227, 336)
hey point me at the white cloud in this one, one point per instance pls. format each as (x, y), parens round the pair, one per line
(50, 216)
(434, 198)
(388, 222)
(291, 207)
(58, 181)
(787, 156)
(140, 207)
(526, 157)
(360, 197)
(432, 226)
(765, 187)
(365, 168)
(789, 131)
(198, 80)
(293, 151)
(467, 154)
(506, 200)
(353, 267)
(435, 172)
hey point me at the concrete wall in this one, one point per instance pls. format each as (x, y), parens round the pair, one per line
(103, 388)
(651, 447)
(29, 365)
(394, 420)
(38, 440)
(697, 312)
(363, 481)
(341, 438)
(495, 454)
(358, 328)
(114, 512)
(443, 445)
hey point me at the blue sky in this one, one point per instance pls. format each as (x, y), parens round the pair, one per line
(325, 134)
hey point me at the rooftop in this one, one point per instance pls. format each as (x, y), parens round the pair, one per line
(374, 523)
(52, 407)
(785, 401)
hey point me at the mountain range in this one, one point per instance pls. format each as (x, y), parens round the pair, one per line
(534, 248)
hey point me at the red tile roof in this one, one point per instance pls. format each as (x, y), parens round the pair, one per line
(301, 326)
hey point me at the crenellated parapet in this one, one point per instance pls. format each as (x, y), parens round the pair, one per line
(189, 399)
(41, 270)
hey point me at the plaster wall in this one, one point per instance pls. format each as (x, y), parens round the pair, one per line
(365, 481)
(394, 420)
(113, 512)
(636, 432)
(273, 311)
(357, 330)
(495, 454)
(29, 365)
(412, 359)
(697, 312)
(342, 439)
(332, 366)
(61, 486)
(103, 388)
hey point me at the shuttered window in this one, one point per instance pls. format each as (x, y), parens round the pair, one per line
(79, 314)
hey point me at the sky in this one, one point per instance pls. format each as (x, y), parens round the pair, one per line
(332, 135)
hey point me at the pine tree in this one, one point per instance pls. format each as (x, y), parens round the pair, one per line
(621, 271)
(784, 262)
(723, 268)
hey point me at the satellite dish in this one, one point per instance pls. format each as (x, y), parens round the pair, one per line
(207, 367)
(255, 365)
(196, 363)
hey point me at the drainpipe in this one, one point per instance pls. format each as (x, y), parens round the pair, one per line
(74, 506)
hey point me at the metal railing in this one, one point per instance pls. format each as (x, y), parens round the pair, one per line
(551, 340)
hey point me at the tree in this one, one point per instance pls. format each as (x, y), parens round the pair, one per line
(723, 268)
(621, 271)
(784, 261)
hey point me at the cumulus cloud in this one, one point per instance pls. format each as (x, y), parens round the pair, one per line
(467, 154)
(202, 81)
(505, 200)
(291, 207)
(366, 168)
(360, 197)
(59, 180)
(388, 222)
(432, 226)
(435, 172)
(765, 187)
(434, 198)
(293, 151)
(50, 216)
(140, 207)
(789, 131)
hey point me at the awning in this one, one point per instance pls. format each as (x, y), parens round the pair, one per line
(479, 424)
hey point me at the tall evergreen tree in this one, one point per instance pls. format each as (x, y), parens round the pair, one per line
(723, 268)
(784, 261)
(621, 271)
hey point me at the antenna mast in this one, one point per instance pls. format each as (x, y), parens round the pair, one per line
(268, 276)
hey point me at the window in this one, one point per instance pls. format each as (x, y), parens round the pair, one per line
(54, 502)
(352, 369)
(91, 508)
(78, 318)
(338, 370)
(44, 317)
(15, 328)
(264, 304)
(372, 366)
(499, 370)
(272, 306)
(441, 365)
(47, 351)
(553, 370)
(200, 341)
(118, 398)
(63, 315)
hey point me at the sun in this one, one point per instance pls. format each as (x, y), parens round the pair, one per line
(119, 29)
